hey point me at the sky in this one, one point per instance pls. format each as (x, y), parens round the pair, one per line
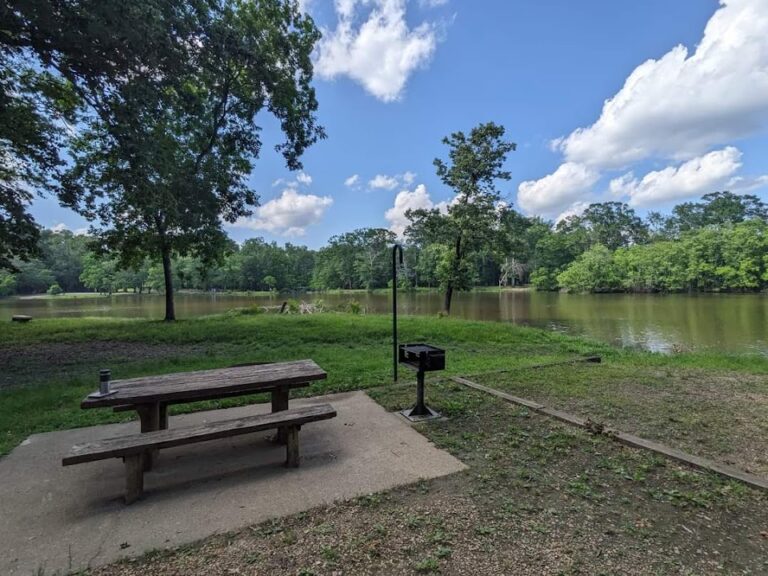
(651, 103)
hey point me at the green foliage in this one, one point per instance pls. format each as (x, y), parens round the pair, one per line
(712, 259)
(471, 221)
(593, 271)
(33, 277)
(164, 162)
(355, 260)
(55, 289)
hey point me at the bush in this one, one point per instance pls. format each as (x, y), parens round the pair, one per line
(55, 289)
(354, 307)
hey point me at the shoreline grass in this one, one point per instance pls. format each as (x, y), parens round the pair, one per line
(50, 364)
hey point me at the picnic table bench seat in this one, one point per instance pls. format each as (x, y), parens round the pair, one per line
(133, 448)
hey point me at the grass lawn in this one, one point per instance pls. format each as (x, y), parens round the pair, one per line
(538, 497)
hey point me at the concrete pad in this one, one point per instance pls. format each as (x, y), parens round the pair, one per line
(60, 519)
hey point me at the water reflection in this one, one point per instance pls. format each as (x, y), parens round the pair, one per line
(654, 322)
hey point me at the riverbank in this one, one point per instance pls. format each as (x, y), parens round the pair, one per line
(538, 497)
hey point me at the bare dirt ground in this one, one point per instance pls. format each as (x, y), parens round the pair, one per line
(538, 498)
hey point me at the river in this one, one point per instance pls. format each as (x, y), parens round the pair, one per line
(664, 323)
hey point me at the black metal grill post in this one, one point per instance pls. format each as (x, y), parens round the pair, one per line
(420, 409)
(395, 249)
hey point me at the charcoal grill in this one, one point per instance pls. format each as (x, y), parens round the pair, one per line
(422, 358)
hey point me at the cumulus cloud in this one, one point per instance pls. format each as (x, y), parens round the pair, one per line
(387, 182)
(353, 181)
(288, 215)
(695, 177)
(379, 52)
(61, 227)
(304, 178)
(571, 182)
(383, 182)
(682, 104)
(677, 108)
(405, 200)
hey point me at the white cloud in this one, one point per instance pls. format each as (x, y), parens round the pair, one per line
(570, 183)
(432, 3)
(676, 108)
(304, 178)
(383, 182)
(695, 177)
(682, 104)
(745, 184)
(353, 181)
(60, 227)
(288, 215)
(410, 200)
(387, 182)
(380, 53)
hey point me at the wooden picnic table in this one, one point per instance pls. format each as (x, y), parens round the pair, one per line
(151, 395)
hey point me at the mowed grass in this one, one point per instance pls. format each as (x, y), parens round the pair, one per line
(53, 363)
(49, 365)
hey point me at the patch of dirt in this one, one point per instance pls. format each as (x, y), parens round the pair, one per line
(31, 363)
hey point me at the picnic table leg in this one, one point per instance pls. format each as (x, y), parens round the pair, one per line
(163, 416)
(150, 422)
(280, 403)
(292, 447)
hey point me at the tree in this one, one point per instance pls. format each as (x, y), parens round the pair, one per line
(63, 253)
(30, 102)
(54, 58)
(475, 163)
(270, 282)
(593, 271)
(371, 261)
(163, 162)
(33, 277)
(716, 209)
(611, 224)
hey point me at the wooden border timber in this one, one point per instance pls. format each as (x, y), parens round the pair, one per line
(589, 358)
(625, 438)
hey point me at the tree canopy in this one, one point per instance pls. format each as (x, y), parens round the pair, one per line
(476, 163)
(168, 93)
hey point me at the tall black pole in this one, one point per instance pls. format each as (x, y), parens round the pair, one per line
(395, 250)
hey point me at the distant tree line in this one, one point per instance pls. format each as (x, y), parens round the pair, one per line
(717, 244)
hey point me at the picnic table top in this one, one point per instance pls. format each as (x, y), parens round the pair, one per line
(202, 383)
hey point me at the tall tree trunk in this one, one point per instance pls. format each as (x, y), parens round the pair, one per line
(170, 312)
(448, 297)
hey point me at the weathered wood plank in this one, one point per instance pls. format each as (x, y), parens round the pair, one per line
(292, 446)
(522, 401)
(134, 477)
(690, 459)
(198, 385)
(139, 443)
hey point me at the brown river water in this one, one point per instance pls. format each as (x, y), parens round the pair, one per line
(725, 322)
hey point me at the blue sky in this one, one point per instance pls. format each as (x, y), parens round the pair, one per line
(394, 76)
